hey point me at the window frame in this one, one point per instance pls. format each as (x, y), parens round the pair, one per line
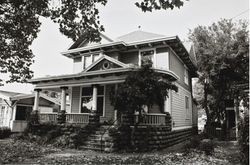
(186, 76)
(147, 49)
(104, 99)
(91, 56)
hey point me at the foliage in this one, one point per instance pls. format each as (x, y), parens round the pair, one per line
(207, 146)
(61, 117)
(5, 132)
(59, 135)
(194, 142)
(33, 118)
(150, 5)
(18, 151)
(67, 157)
(244, 138)
(222, 57)
(19, 26)
(142, 87)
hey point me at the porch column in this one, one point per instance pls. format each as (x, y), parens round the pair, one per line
(63, 98)
(167, 103)
(36, 100)
(94, 102)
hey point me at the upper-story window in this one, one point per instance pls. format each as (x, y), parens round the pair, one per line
(145, 55)
(89, 59)
(186, 77)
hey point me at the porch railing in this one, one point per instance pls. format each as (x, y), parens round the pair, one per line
(74, 118)
(78, 118)
(147, 119)
(45, 117)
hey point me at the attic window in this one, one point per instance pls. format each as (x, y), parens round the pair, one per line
(89, 59)
(145, 55)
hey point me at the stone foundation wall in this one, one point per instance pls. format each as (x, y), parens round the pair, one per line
(146, 138)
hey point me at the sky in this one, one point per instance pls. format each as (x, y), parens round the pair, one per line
(120, 17)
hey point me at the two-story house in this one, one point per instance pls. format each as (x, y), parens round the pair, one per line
(98, 67)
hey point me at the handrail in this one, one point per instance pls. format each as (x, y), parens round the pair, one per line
(113, 123)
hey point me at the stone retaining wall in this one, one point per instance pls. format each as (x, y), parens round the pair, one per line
(146, 138)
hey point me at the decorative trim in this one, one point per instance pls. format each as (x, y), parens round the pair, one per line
(107, 58)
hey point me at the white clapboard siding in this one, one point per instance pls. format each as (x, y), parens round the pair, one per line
(75, 102)
(179, 115)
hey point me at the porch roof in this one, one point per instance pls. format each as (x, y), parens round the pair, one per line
(100, 75)
(32, 95)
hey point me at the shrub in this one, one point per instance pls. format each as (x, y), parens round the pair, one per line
(33, 119)
(194, 142)
(207, 146)
(61, 117)
(5, 132)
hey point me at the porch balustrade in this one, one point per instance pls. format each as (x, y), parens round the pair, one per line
(74, 118)
(147, 119)
(77, 118)
(45, 117)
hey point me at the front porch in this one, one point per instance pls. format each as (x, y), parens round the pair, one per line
(88, 94)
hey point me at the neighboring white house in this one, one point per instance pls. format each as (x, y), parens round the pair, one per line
(15, 108)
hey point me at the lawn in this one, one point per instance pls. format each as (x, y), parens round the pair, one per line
(26, 152)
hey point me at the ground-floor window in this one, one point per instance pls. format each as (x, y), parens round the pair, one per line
(87, 100)
(23, 112)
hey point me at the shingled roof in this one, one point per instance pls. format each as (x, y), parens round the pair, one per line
(138, 36)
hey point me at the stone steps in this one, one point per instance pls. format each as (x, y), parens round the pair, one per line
(99, 140)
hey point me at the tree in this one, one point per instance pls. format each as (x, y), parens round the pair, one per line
(142, 87)
(19, 26)
(223, 61)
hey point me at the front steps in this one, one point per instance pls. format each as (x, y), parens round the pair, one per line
(99, 140)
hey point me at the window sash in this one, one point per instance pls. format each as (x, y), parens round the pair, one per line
(87, 61)
(88, 94)
(147, 54)
(186, 76)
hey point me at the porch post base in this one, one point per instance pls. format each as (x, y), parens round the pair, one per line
(34, 117)
(61, 117)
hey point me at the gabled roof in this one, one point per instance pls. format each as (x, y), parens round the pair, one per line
(42, 95)
(7, 94)
(82, 42)
(103, 57)
(138, 36)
